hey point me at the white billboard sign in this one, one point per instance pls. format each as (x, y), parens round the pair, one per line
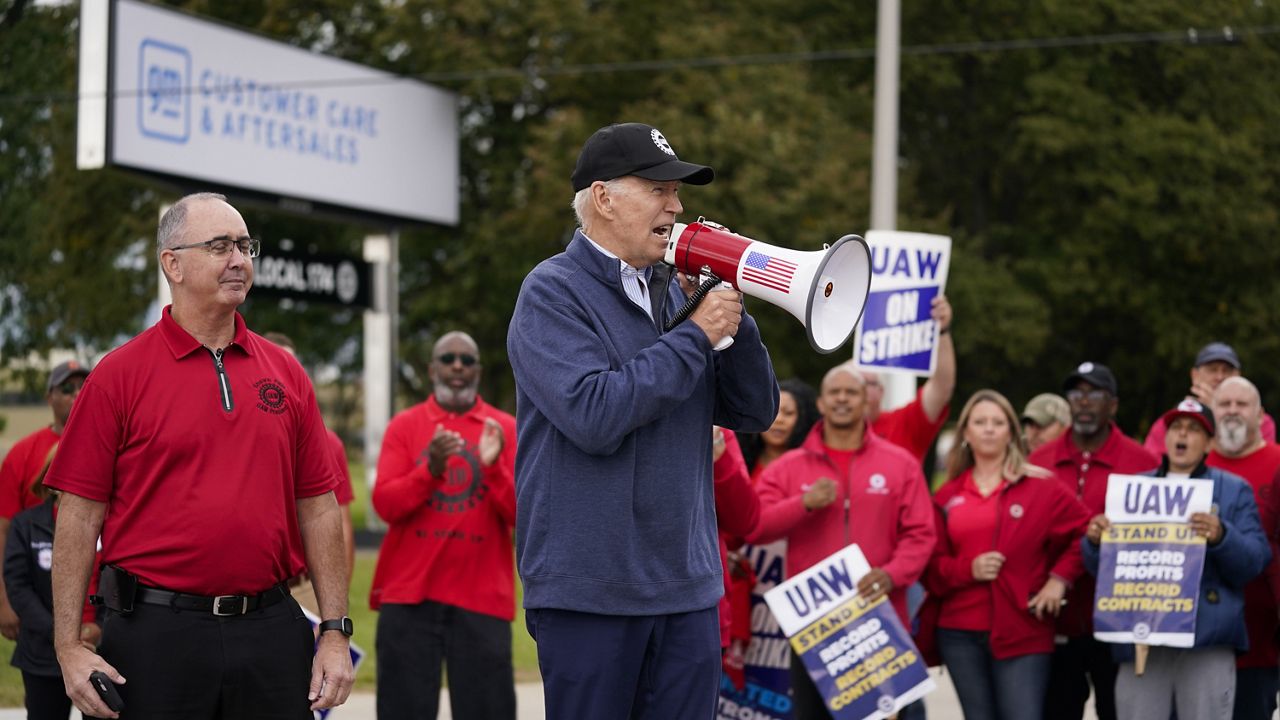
(201, 101)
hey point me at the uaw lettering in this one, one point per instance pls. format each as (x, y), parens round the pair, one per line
(908, 271)
(270, 116)
(1150, 563)
(860, 657)
(164, 106)
(767, 662)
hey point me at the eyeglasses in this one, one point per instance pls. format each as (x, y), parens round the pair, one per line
(221, 246)
(449, 358)
(1095, 396)
(69, 388)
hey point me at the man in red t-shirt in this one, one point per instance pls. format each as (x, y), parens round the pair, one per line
(1240, 448)
(196, 451)
(26, 459)
(445, 582)
(1084, 459)
(915, 426)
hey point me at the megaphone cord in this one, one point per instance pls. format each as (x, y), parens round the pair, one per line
(692, 303)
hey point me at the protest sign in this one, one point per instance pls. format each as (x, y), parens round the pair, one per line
(1150, 562)
(858, 654)
(896, 334)
(766, 694)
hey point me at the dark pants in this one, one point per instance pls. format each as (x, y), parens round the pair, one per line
(415, 641)
(647, 667)
(991, 689)
(196, 666)
(46, 697)
(1081, 660)
(807, 703)
(1255, 693)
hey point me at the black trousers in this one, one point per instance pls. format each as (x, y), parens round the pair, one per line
(196, 666)
(46, 697)
(414, 642)
(1075, 665)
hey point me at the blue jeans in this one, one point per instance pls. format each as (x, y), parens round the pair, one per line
(991, 689)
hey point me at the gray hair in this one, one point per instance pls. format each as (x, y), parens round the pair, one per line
(173, 222)
(582, 198)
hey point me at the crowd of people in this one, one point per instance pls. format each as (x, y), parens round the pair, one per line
(639, 465)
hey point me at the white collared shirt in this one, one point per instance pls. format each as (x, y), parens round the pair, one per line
(635, 281)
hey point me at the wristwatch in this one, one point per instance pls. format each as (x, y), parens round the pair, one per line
(342, 625)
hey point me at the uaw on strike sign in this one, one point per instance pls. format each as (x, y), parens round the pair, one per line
(908, 270)
(858, 654)
(1150, 562)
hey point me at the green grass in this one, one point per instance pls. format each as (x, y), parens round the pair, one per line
(524, 653)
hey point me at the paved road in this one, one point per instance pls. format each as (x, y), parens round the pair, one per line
(941, 704)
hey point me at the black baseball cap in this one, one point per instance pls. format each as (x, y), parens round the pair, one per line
(1096, 374)
(64, 372)
(633, 149)
(1218, 351)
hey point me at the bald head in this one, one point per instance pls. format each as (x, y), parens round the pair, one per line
(846, 368)
(451, 339)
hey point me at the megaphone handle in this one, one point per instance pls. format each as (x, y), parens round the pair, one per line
(726, 341)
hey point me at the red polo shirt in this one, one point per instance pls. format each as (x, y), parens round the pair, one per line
(1086, 473)
(19, 470)
(909, 428)
(1261, 469)
(200, 470)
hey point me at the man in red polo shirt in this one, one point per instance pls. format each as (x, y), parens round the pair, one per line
(197, 451)
(1083, 459)
(915, 426)
(26, 459)
(1240, 448)
(845, 485)
(445, 582)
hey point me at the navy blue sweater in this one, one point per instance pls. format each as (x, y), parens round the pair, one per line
(614, 506)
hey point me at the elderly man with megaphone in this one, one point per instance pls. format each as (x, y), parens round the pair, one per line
(616, 527)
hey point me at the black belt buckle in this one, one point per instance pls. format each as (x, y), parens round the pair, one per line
(229, 605)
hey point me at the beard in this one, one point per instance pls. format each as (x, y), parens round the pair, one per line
(449, 397)
(1233, 434)
(1086, 429)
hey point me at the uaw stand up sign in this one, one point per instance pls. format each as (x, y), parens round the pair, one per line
(1150, 562)
(858, 654)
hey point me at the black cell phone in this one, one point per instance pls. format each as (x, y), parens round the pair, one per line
(106, 690)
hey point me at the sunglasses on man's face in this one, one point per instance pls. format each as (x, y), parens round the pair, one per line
(69, 388)
(450, 358)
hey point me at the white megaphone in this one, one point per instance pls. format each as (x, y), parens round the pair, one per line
(826, 290)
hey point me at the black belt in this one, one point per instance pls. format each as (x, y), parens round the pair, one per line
(220, 605)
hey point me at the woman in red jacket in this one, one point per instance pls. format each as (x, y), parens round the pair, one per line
(1008, 547)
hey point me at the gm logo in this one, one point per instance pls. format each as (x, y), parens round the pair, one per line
(164, 102)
